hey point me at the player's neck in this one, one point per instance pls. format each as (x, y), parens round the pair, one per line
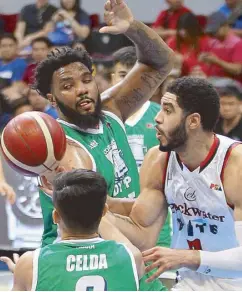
(196, 150)
(71, 236)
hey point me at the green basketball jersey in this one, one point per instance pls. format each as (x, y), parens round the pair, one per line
(141, 134)
(141, 131)
(85, 265)
(111, 156)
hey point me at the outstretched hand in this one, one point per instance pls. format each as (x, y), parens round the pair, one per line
(117, 16)
(10, 263)
(7, 191)
(164, 259)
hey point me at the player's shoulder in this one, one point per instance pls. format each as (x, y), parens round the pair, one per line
(234, 154)
(25, 262)
(154, 155)
(154, 165)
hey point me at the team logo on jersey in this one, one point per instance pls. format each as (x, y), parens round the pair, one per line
(190, 195)
(115, 156)
(215, 187)
(93, 144)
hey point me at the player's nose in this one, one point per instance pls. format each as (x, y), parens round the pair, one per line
(159, 117)
(81, 89)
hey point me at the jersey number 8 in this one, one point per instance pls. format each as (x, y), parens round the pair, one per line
(91, 283)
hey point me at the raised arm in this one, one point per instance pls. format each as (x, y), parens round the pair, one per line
(155, 61)
(149, 211)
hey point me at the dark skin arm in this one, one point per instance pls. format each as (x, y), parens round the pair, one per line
(155, 61)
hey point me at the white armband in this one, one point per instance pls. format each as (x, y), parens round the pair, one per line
(226, 263)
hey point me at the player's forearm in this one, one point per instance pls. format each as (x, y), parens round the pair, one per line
(120, 206)
(151, 49)
(131, 230)
(222, 264)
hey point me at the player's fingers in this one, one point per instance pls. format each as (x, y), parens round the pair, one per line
(108, 16)
(149, 258)
(9, 263)
(108, 6)
(46, 190)
(155, 275)
(11, 196)
(15, 258)
(109, 29)
(113, 3)
(119, 1)
(149, 251)
(152, 266)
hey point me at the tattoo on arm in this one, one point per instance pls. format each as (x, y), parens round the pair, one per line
(135, 98)
(151, 49)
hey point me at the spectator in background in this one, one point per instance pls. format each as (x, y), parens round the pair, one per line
(11, 67)
(32, 22)
(223, 57)
(40, 48)
(1, 26)
(78, 44)
(188, 43)
(230, 122)
(166, 22)
(41, 104)
(232, 9)
(68, 23)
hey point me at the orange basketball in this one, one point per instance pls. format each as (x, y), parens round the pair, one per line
(33, 143)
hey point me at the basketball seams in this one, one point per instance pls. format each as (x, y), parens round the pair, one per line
(48, 163)
(50, 135)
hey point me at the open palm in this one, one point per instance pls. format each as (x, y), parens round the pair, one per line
(117, 16)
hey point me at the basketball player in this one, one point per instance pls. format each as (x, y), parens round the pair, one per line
(96, 138)
(198, 175)
(81, 261)
(140, 127)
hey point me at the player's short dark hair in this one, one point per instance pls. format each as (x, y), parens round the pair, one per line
(230, 91)
(197, 95)
(42, 40)
(8, 36)
(56, 59)
(126, 56)
(80, 196)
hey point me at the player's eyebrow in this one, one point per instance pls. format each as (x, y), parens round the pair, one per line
(65, 79)
(169, 104)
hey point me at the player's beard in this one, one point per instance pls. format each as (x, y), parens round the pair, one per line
(83, 121)
(176, 139)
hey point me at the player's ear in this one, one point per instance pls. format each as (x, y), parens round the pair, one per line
(194, 121)
(51, 99)
(55, 216)
(105, 209)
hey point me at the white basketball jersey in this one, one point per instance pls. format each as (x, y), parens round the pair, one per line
(202, 219)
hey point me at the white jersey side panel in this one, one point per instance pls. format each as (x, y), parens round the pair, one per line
(202, 219)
